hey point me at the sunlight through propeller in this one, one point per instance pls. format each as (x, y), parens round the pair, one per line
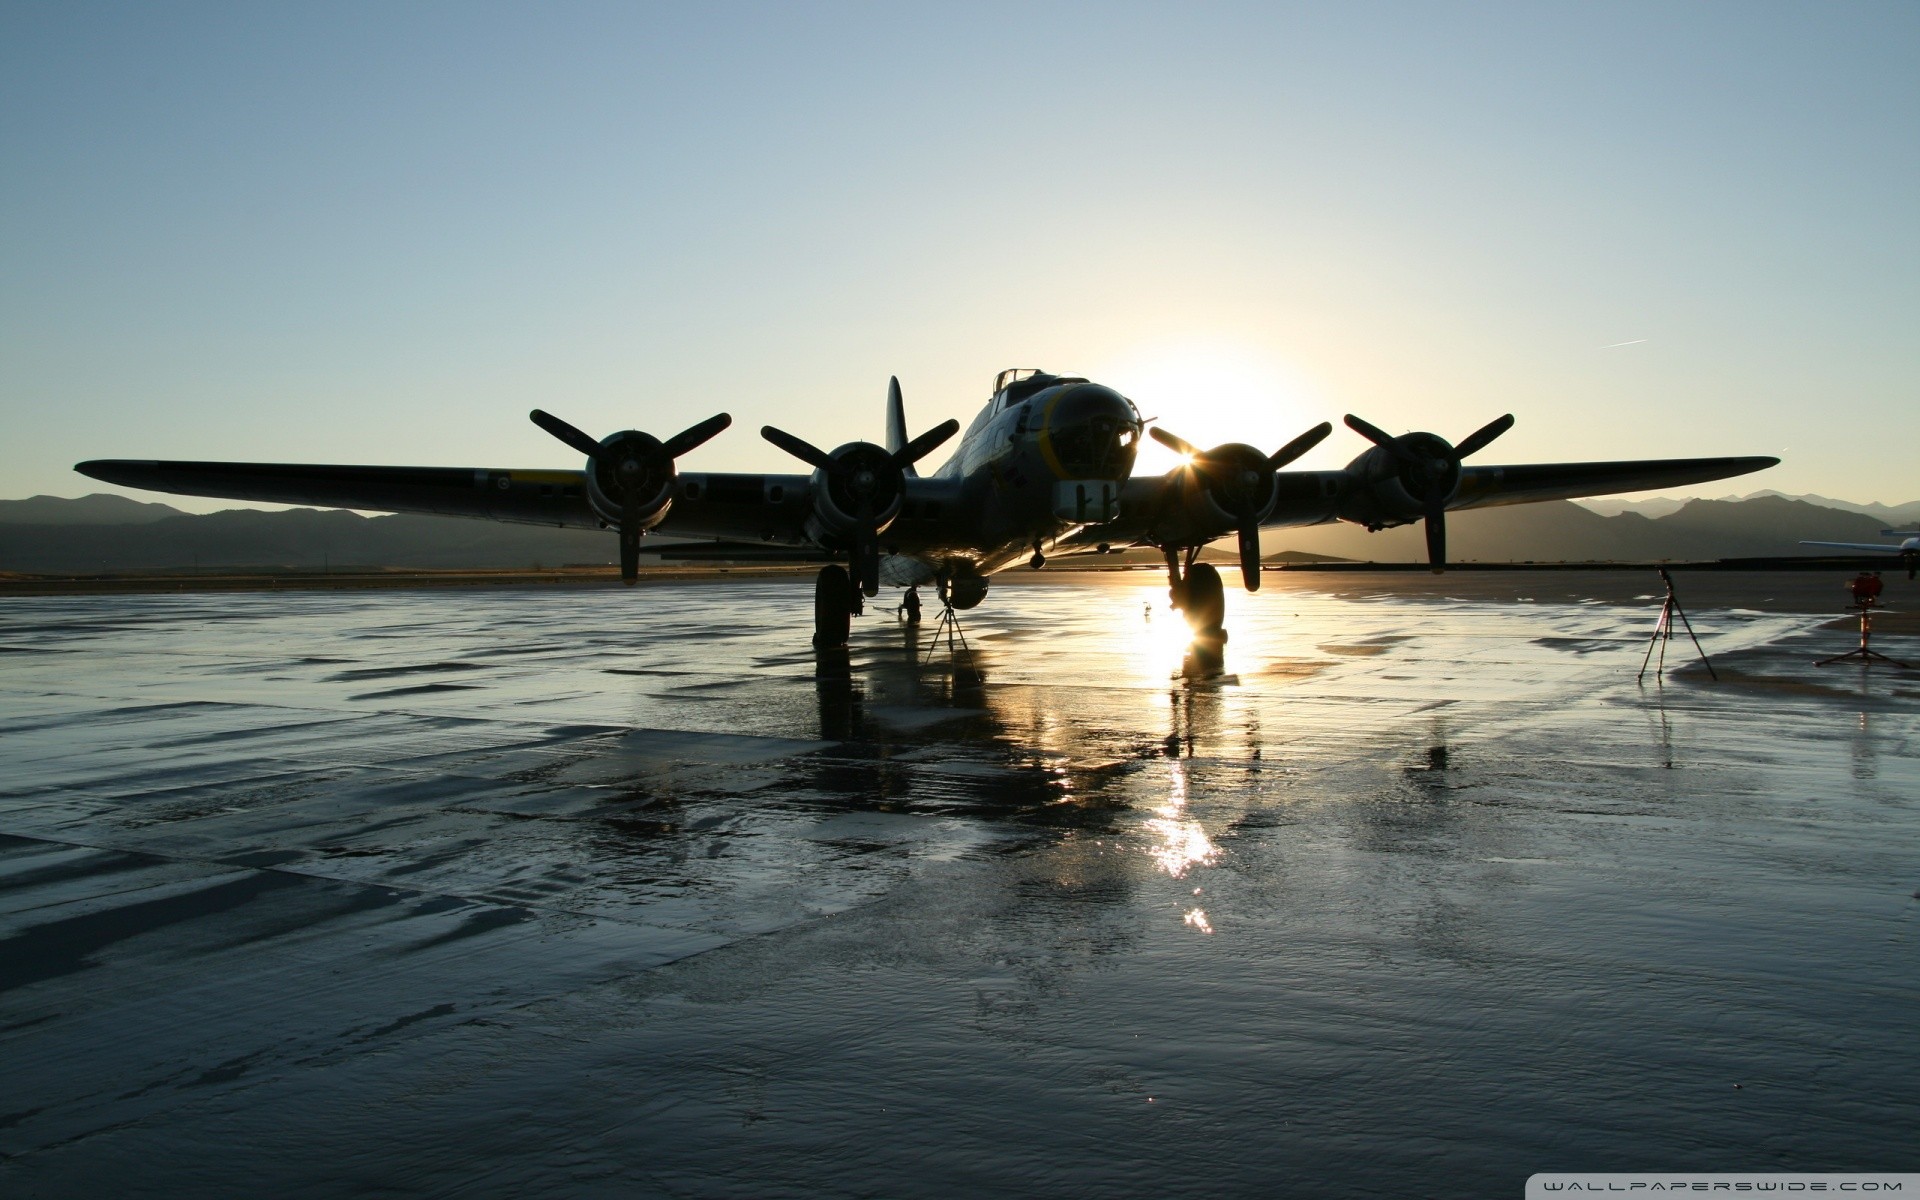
(1239, 478)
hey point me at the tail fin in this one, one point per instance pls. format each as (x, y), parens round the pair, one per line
(896, 420)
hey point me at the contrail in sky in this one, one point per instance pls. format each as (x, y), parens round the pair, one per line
(1617, 345)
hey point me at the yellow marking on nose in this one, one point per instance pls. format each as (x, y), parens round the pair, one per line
(1045, 439)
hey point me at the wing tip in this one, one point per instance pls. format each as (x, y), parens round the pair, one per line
(111, 470)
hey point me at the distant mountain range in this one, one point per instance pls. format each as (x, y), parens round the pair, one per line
(97, 509)
(99, 533)
(1760, 527)
(49, 535)
(1660, 506)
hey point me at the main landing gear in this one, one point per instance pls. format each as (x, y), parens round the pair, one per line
(833, 603)
(836, 601)
(1194, 588)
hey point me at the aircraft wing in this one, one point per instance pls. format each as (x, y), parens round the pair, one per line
(1486, 487)
(748, 508)
(1315, 497)
(1881, 547)
(494, 493)
(1165, 509)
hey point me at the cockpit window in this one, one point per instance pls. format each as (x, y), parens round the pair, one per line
(1013, 375)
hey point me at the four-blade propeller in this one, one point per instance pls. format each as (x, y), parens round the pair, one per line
(1240, 480)
(863, 481)
(632, 467)
(1430, 471)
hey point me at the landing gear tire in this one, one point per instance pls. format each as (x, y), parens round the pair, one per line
(832, 606)
(1204, 601)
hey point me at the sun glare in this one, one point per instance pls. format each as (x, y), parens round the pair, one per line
(1213, 391)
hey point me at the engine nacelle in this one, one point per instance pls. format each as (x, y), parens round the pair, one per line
(1390, 481)
(864, 491)
(1211, 496)
(631, 463)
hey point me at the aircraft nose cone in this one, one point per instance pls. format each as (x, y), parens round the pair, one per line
(1090, 404)
(1085, 424)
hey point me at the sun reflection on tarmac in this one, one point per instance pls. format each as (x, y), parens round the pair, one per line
(1180, 843)
(1161, 639)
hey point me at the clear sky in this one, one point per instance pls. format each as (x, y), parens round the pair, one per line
(382, 232)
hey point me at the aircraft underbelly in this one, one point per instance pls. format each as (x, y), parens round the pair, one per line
(905, 570)
(1007, 507)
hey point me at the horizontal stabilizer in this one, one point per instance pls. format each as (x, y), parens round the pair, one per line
(753, 552)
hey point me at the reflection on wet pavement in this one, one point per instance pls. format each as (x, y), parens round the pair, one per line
(550, 891)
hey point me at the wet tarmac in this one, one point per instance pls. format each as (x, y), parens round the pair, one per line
(578, 892)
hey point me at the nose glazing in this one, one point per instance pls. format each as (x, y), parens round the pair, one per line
(1088, 426)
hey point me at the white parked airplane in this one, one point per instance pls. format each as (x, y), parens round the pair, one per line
(1908, 549)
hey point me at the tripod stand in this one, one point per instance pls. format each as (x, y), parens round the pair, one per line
(950, 627)
(1663, 633)
(1866, 655)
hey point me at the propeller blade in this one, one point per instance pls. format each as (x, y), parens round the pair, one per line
(687, 439)
(1478, 440)
(811, 455)
(1173, 442)
(565, 432)
(1300, 445)
(926, 443)
(630, 532)
(1250, 555)
(1372, 433)
(1437, 539)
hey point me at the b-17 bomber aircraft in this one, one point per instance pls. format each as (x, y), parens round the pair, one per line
(1045, 469)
